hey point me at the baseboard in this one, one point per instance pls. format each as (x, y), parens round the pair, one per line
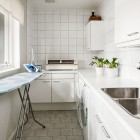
(54, 106)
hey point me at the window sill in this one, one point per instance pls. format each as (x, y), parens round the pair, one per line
(8, 70)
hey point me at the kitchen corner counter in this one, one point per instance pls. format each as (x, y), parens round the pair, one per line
(59, 71)
(95, 83)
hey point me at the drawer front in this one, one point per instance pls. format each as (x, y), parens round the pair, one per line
(45, 77)
(62, 76)
(115, 125)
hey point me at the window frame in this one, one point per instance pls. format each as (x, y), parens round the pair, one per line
(9, 41)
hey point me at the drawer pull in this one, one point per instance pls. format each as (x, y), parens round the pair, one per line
(132, 34)
(105, 132)
(46, 81)
(98, 119)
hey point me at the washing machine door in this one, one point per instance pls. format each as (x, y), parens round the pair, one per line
(83, 109)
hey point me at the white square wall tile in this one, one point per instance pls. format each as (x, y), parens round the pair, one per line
(64, 56)
(64, 35)
(80, 19)
(72, 56)
(80, 57)
(72, 49)
(41, 49)
(64, 49)
(49, 49)
(49, 42)
(49, 18)
(49, 26)
(80, 34)
(80, 49)
(64, 42)
(64, 26)
(41, 26)
(41, 18)
(56, 42)
(64, 12)
(41, 42)
(72, 42)
(64, 18)
(41, 57)
(72, 18)
(56, 34)
(72, 26)
(49, 34)
(56, 26)
(56, 49)
(72, 34)
(56, 18)
(41, 34)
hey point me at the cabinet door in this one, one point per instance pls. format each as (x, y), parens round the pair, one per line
(95, 132)
(63, 90)
(40, 91)
(88, 37)
(97, 35)
(127, 20)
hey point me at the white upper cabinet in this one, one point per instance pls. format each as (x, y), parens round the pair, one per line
(127, 22)
(95, 36)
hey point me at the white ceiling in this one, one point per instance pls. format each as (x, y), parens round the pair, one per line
(67, 4)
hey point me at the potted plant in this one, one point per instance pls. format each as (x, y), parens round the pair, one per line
(111, 67)
(99, 65)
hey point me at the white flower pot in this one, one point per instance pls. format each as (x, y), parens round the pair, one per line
(112, 72)
(99, 70)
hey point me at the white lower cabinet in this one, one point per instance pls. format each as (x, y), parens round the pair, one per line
(63, 90)
(40, 91)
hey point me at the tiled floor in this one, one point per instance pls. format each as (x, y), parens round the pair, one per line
(60, 125)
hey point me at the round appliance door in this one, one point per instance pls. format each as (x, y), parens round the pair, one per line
(83, 109)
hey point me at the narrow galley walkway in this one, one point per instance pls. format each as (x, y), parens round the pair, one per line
(60, 125)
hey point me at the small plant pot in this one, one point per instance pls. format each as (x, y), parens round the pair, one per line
(112, 72)
(99, 70)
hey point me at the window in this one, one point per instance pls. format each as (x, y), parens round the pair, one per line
(9, 41)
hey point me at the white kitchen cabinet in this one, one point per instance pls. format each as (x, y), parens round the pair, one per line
(95, 36)
(40, 91)
(63, 90)
(127, 21)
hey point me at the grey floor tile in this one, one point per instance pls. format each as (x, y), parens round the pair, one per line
(66, 132)
(46, 138)
(60, 125)
(59, 138)
(74, 137)
(72, 125)
(32, 138)
(77, 132)
(53, 132)
(41, 132)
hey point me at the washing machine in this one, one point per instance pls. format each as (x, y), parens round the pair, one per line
(79, 89)
(82, 103)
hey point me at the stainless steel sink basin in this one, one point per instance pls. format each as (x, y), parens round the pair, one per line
(122, 92)
(132, 106)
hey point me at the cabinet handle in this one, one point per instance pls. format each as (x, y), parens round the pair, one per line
(132, 34)
(98, 119)
(56, 81)
(105, 132)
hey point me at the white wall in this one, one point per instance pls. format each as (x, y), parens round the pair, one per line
(128, 57)
(57, 34)
(10, 102)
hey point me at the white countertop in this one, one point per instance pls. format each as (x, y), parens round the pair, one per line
(97, 82)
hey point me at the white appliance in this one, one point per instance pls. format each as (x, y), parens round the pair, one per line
(62, 65)
(82, 101)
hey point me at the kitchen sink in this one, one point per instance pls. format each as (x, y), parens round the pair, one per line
(127, 98)
(122, 92)
(132, 106)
